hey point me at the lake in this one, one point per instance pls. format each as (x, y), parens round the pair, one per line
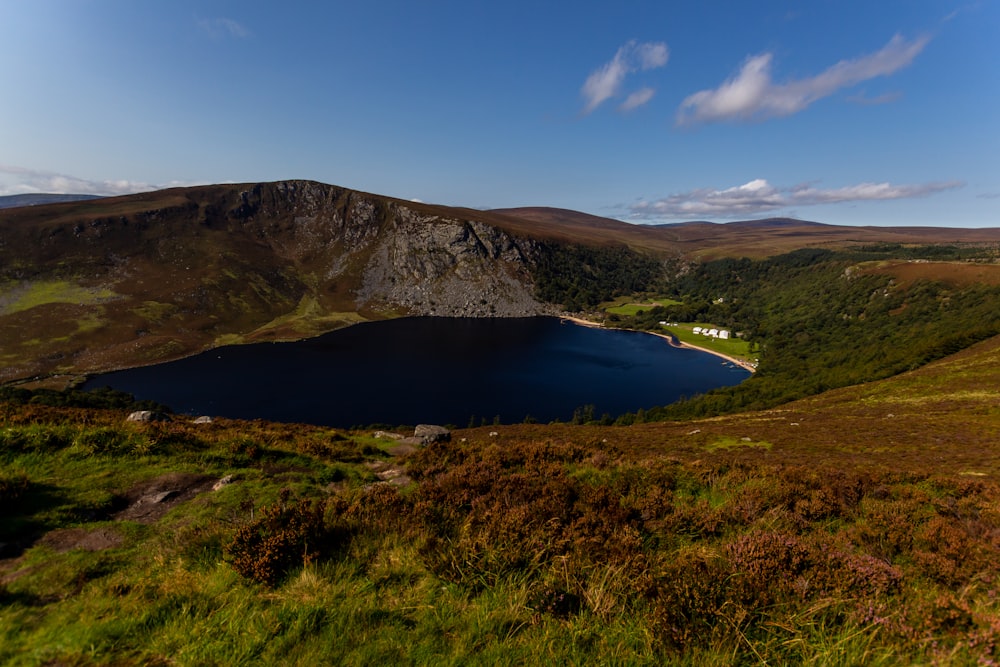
(432, 370)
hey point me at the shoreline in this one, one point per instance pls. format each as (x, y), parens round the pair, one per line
(672, 340)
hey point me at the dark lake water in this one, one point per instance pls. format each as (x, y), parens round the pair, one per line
(432, 370)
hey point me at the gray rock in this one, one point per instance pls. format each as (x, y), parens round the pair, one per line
(204, 419)
(157, 498)
(225, 481)
(429, 433)
(147, 416)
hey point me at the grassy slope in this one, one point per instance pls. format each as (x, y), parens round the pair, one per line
(854, 527)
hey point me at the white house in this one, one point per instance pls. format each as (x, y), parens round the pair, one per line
(724, 333)
(696, 330)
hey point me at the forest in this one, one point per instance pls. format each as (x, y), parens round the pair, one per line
(822, 319)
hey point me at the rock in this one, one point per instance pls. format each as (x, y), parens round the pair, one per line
(429, 433)
(147, 416)
(388, 434)
(204, 419)
(225, 481)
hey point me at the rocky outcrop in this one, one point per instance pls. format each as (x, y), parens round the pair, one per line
(428, 433)
(449, 268)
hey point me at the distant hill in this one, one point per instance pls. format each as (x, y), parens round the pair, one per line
(747, 238)
(38, 198)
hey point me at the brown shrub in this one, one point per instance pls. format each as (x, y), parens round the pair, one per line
(282, 537)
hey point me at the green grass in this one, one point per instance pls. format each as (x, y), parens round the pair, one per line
(740, 540)
(19, 297)
(623, 306)
(733, 346)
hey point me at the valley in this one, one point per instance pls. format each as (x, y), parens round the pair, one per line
(839, 506)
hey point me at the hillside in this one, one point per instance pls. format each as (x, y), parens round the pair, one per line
(749, 238)
(855, 527)
(131, 280)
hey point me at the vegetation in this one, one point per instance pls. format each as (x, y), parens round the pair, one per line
(734, 540)
(579, 277)
(822, 319)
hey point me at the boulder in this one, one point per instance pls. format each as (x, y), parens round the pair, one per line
(204, 419)
(147, 416)
(428, 433)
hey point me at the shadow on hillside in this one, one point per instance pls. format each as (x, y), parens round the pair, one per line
(25, 520)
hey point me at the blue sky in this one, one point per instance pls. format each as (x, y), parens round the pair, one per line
(867, 113)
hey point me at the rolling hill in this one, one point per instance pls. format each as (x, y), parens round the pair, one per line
(747, 238)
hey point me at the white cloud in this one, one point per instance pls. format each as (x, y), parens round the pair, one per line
(224, 27)
(759, 197)
(637, 99)
(752, 95)
(606, 81)
(652, 54)
(22, 181)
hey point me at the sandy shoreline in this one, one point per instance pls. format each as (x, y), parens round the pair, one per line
(671, 340)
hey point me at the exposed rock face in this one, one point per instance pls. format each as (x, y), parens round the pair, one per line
(449, 267)
(415, 261)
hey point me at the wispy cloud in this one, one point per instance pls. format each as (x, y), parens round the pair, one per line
(759, 197)
(224, 27)
(23, 181)
(752, 95)
(637, 99)
(884, 98)
(606, 81)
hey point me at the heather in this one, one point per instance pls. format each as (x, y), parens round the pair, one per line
(859, 527)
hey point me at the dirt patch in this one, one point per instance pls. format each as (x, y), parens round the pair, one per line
(66, 539)
(150, 500)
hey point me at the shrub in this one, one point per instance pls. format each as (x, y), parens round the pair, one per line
(284, 536)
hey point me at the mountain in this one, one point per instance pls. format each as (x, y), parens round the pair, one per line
(38, 198)
(88, 286)
(136, 279)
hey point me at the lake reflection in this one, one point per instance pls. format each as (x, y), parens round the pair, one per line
(432, 370)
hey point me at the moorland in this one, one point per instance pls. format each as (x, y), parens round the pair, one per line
(839, 507)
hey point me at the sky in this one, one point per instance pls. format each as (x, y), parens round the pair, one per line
(843, 112)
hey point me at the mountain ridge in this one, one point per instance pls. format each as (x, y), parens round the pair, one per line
(41, 198)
